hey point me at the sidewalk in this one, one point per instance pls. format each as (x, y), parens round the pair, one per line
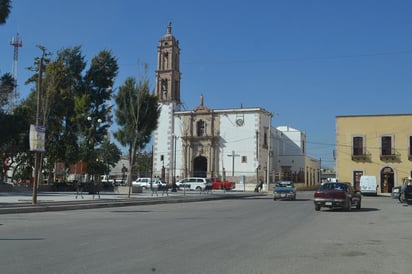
(21, 202)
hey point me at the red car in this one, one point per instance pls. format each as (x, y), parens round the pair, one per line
(337, 195)
(217, 184)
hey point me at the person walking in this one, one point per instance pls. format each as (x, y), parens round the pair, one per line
(260, 186)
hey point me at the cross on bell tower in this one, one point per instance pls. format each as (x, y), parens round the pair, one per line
(168, 74)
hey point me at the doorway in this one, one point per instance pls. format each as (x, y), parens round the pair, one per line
(200, 167)
(387, 180)
(357, 174)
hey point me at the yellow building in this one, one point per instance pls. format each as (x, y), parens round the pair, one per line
(375, 145)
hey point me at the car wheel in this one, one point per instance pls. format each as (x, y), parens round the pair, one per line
(402, 198)
(317, 207)
(274, 198)
(349, 206)
(198, 188)
(358, 206)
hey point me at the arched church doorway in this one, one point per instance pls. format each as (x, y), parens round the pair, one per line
(387, 180)
(200, 167)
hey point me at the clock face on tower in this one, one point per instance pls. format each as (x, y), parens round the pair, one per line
(240, 122)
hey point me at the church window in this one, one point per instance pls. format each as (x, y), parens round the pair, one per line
(265, 138)
(244, 159)
(200, 128)
(165, 60)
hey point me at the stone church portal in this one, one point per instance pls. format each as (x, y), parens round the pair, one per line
(200, 166)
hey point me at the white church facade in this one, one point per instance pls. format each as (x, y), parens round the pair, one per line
(237, 145)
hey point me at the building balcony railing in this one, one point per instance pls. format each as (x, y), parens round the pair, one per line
(360, 157)
(389, 155)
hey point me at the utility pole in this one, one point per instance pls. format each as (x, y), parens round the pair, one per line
(268, 169)
(37, 159)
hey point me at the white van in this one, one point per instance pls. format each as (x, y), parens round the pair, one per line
(368, 185)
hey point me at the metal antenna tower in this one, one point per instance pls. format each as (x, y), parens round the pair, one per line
(16, 42)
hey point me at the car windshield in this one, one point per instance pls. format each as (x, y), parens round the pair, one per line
(334, 186)
(284, 184)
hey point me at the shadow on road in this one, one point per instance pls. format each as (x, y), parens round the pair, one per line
(354, 210)
(131, 211)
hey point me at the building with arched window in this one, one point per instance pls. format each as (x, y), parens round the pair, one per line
(374, 145)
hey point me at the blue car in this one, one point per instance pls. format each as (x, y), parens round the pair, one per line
(284, 190)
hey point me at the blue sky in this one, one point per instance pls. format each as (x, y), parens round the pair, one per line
(306, 61)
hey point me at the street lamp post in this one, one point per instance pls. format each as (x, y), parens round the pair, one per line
(269, 151)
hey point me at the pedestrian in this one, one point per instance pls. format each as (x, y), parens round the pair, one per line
(79, 187)
(260, 186)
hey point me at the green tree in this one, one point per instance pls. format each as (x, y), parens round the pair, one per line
(93, 106)
(137, 115)
(109, 155)
(14, 140)
(7, 84)
(6, 87)
(62, 84)
(5, 8)
(143, 166)
(75, 105)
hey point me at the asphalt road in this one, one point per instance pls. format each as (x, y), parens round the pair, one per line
(251, 235)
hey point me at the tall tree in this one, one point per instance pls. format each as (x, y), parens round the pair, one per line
(5, 8)
(94, 105)
(63, 82)
(137, 115)
(14, 140)
(6, 88)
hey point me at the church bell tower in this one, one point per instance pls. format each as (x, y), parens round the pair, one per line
(167, 91)
(168, 72)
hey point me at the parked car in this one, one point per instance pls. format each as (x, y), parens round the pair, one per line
(157, 182)
(337, 195)
(284, 190)
(143, 182)
(195, 183)
(226, 185)
(405, 194)
(396, 192)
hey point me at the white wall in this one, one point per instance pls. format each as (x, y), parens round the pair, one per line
(163, 139)
(241, 140)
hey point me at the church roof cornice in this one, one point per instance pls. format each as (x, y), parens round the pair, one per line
(228, 111)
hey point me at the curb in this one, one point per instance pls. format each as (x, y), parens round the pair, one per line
(16, 208)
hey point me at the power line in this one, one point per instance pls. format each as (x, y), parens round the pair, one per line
(297, 59)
